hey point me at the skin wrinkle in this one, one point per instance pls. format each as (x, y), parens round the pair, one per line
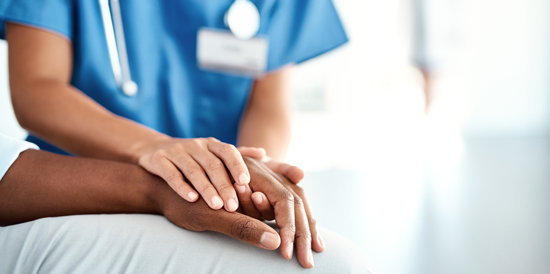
(243, 228)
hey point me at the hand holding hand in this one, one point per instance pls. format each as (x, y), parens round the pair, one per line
(199, 217)
(201, 163)
(283, 201)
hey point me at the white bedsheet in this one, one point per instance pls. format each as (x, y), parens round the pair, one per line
(140, 243)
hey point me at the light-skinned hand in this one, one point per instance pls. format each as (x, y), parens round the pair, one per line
(198, 165)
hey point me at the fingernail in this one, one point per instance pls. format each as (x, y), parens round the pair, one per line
(240, 188)
(289, 249)
(320, 240)
(269, 240)
(232, 205)
(257, 199)
(192, 196)
(244, 179)
(217, 202)
(310, 258)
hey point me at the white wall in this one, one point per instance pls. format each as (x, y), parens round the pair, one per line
(506, 62)
(496, 82)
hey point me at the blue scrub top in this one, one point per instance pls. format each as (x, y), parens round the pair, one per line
(175, 97)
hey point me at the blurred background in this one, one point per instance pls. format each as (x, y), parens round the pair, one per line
(426, 138)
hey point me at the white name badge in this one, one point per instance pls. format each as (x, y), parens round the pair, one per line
(221, 51)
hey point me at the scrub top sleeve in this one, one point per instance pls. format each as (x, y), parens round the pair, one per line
(10, 148)
(52, 15)
(301, 30)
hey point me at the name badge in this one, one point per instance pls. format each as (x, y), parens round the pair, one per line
(221, 51)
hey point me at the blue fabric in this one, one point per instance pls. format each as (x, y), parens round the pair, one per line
(176, 97)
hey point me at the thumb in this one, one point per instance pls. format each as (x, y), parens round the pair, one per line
(293, 173)
(247, 229)
(253, 152)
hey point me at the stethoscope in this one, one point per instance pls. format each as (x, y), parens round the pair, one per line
(242, 18)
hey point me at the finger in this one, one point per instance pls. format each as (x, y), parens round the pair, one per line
(317, 242)
(217, 174)
(282, 201)
(254, 152)
(246, 204)
(263, 206)
(196, 175)
(167, 171)
(293, 173)
(304, 231)
(232, 160)
(246, 229)
(303, 234)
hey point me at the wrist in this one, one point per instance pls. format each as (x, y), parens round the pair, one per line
(140, 148)
(160, 195)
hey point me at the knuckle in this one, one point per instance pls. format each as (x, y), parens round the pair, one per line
(212, 139)
(312, 223)
(285, 195)
(226, 188)
(196, 142)
(299, 191)
(304, 235)
(214, 164)
(193, 171)
(243, 228)
(291, 227)
(227, 149)
(237, 164)
(207, 187)
(178, 147)
(159, 154)
(298, 202)
(174, 177)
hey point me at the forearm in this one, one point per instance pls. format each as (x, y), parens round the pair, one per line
(41, 184)
(266, 120)
(270, 132)
(87, 129)
(40, 66)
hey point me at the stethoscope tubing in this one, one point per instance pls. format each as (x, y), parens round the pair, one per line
(116, 43)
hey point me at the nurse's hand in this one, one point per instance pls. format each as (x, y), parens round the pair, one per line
(293, 173)
(191, 165)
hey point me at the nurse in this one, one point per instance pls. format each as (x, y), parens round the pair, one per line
(188, 108)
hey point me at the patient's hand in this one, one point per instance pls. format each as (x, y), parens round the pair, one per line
(288, 204)
(199, 216)
(41, 184)
(284, 201)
